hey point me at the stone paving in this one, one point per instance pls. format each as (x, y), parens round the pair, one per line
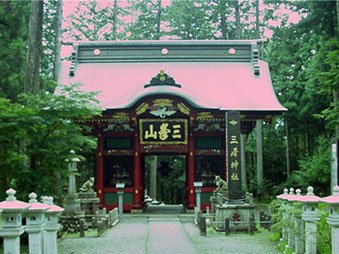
(155, 233)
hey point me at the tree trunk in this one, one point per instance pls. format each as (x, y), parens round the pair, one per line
(57, 41)
(32, 72)
(257, 22)
(223, 20)
(114, 19)
(260, 173)
(157, 35)
(237, 20)
(288, 170)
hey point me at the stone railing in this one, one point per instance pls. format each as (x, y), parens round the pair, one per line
(41, 224)
(301, 230)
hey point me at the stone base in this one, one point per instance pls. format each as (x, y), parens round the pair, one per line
(72, 205)
(89, 204)
(137, 211)
(71, 224)
(238, 213)
(189, 211)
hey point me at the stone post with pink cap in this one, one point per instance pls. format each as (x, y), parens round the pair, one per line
(333, 218)
(297, 226)
(34, 224)
(11, 227)
(283, 197)
(51, 226)
(310, 216)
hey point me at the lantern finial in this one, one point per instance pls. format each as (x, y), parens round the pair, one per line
(10, 194)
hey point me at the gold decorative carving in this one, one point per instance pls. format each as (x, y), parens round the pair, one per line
(183, 108)
(142, 108)
(204, 115)
(120, 115)
(163, 102)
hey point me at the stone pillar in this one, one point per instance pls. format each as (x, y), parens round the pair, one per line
(51, 226)
(333, 218)
(72, 202)
(197, 186)
(233, 155)
(35, 217)
(11, 227)
(243, 161)
(310, 216)
(120, 187)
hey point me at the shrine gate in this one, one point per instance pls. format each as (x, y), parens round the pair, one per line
(169, 97)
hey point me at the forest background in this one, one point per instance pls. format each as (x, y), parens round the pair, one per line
(37, 128)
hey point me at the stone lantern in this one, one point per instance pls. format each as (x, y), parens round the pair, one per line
(284, 214)
(51, 226)
(297, 222)
(333, 218)
(34, 224)
(290, 219)
(310, 216)
(72, 202)
(11, 227)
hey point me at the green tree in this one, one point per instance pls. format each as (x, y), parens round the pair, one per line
(147, 24)
(95, 21)
(14, 17)
(47, 125)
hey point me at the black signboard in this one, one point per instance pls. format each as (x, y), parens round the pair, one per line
(233, 156)
(163, 131)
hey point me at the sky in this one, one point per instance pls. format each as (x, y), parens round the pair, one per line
(70, 7)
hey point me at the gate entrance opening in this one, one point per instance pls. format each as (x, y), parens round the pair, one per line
(165, 178)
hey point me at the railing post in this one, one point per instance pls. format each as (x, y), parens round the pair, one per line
(11, 227)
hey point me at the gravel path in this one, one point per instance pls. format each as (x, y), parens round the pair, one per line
(165, 234)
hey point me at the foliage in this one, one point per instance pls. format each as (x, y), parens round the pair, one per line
(13, 39)
(280, 222)
(36, 139)
(314, 170)
(324, 243)
(95, 21)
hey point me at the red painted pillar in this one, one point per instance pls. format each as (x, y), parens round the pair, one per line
(190, 174)
(137, 195)
(100, 169)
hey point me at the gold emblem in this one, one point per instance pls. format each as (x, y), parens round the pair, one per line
(233, 122)
(162, 102)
